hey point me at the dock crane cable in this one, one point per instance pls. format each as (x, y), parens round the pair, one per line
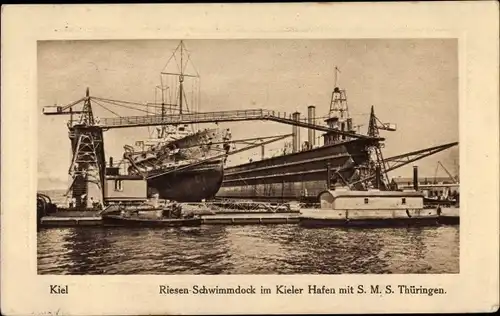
(116, 102)
(113, 112)
(104, 107)
(452, 178)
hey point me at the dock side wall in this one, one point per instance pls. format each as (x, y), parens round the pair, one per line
(126, 189)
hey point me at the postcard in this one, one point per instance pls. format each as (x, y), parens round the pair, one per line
(250, 158)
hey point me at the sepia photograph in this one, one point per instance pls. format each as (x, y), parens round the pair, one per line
(270, 156)
(171, 159)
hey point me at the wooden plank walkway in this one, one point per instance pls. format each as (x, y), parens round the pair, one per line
(448, 216)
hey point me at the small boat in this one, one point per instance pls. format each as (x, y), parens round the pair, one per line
(119, 220)
(147, 216)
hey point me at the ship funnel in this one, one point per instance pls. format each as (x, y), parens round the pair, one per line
(415, 178)
(311, 119)
(296, 133)
(328, 177)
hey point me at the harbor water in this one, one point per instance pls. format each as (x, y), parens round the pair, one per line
(273, 249)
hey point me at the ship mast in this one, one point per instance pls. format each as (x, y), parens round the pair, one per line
(181, 79)
(180, 74)
(161, 131)
(163, 128)
(337, 70)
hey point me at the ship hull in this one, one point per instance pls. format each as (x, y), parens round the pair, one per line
(298, 176)
(193, 171)
(189, 185)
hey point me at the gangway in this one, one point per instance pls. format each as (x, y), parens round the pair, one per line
(216, 117)
(186, 118)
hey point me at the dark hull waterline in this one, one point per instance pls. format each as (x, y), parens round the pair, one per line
(188, 185)
(293, 176)
(117, 220)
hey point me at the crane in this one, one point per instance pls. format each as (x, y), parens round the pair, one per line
(374, 128)
(401, 160)
(446, 170)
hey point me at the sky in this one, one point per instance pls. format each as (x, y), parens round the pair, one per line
(412, 83)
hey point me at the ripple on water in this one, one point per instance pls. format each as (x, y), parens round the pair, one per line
(280, 249)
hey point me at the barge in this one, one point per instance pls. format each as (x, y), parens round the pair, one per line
(346, 208)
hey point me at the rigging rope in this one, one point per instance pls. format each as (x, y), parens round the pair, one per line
(98, 103)
(121, 101)
(185, 98)
(128, 107)
(192, 64)
(168, 61)
(176, 62)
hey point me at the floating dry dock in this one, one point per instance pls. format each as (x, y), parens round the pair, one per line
(448, 216)
(339, 207)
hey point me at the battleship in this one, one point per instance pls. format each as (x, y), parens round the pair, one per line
(180, 164)
(188, 169)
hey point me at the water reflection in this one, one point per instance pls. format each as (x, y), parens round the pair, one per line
(285, 249)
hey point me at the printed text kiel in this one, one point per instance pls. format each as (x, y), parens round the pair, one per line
(59, 289)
